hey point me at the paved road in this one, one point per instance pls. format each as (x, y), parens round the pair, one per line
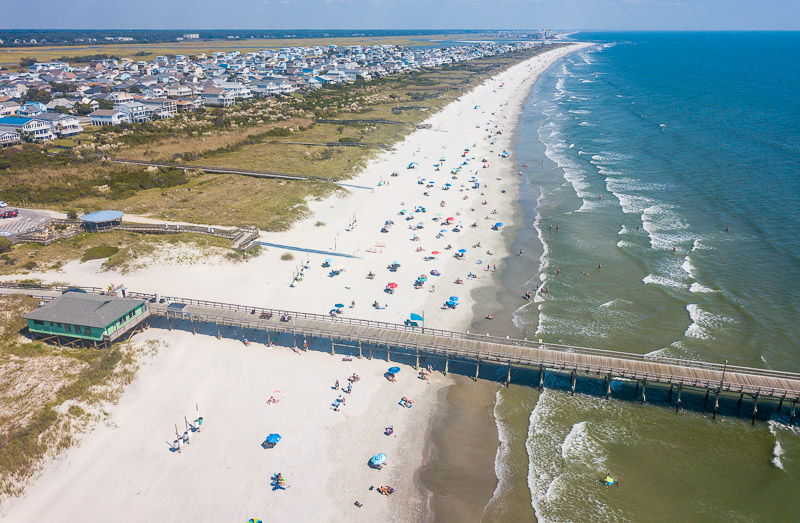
(26, 220)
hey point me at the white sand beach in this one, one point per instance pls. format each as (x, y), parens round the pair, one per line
(352, 224)
(124, 469)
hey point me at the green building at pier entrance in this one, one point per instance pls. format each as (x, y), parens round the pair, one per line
(81, 318)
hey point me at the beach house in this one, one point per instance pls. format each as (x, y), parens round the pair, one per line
(61, 124)
(78, 317)
(109, 117)
(34, 128)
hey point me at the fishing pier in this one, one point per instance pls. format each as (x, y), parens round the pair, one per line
(367, 338)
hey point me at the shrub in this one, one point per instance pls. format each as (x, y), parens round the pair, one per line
(5, 244)
(30, 265)
(286, 256)
(100, 252)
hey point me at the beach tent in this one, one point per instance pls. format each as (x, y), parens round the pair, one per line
(378, 459)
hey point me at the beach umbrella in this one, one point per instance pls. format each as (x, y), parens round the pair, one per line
(453, 298)
(392, 285)
(378, 459)
(447, 185)
(395, 262)
(273, 438)
(435, 252)
(498, 224)
(422, 277)
(253, 520)
(394, 370)
(416, 317)
(450, 219)
(339, 305)
(462, 251)
(420, 224)
(328, 260)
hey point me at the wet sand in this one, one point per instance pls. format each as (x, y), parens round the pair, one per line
(459, 473)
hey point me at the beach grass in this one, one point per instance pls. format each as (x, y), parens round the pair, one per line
(31, 426)
(121, 248)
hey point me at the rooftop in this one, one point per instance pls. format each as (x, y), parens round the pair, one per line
(91, 310)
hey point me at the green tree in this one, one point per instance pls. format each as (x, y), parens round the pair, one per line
(27, 62)
(5, 244)
(106, 104)
(36, 95)
(83, 108)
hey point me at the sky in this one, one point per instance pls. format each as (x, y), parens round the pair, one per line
(641, 15)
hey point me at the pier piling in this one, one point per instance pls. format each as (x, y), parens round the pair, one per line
(608, 387)
(541, 376)
(678, 403)
(574, 381)
(716, 405)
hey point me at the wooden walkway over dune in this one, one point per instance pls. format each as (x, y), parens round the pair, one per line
(367, 338)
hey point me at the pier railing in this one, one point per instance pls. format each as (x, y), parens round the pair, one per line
(387, 328)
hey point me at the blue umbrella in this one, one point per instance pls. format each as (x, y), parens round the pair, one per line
(273, 438)
(394, 370)
(498, 224)
(339, 305)
(378, 459)
(253, 520)
(395, 262)
(443, 230)
(328, 260)
(462, 251)
(416, 317)
(453, 298)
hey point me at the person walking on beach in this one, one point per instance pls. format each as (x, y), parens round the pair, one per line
(336, 385)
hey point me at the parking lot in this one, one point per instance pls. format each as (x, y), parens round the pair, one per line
(26, 220)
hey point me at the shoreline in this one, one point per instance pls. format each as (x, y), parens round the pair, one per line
(446, 452)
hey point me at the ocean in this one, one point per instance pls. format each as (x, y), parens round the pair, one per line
(665, 182)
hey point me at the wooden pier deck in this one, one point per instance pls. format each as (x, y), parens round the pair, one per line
(366, 337)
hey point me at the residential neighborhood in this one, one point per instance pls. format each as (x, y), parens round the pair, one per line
(50, 100)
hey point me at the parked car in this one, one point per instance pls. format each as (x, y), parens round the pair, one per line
(3, 204)
(10, 214)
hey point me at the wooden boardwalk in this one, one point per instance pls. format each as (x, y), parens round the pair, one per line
(367, 337)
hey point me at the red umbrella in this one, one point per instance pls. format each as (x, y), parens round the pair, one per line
(435, 252)
(392, 285)
(450, 219)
